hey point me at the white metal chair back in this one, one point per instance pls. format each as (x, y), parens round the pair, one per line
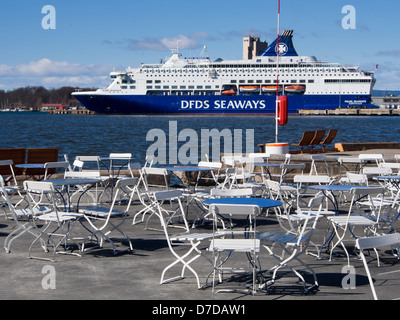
(162, 175)
(85, 159)
(377, 157)
(224, 193)
(357, 178)
(215, 174)
(379, 171)
(369, 243)
(60, 167)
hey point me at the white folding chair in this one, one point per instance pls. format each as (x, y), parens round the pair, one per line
(294, 244)
(302, 183)
(288, 199)
(14, 188)
(152, 179)
(373, 243)
(22, 218)
(215, 174)
(176, 241)
(348, 223)
(236, 240)
(101, 218)
(314, 169)
(119, 161)
(57, 223)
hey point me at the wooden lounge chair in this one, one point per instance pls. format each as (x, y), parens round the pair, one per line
(17, 155)
(329, 138)
(305, 141)
(41, 155)
(318, 137)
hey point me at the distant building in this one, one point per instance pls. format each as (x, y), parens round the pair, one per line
(253, 47)
(387, 102)
(54, 106)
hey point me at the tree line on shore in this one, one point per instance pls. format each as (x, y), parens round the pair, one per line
(34, 97)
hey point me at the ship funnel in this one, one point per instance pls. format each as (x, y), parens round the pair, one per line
(286, 48)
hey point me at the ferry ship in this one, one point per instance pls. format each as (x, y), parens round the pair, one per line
(249, 86)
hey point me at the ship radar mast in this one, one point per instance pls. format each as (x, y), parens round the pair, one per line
(176, 50)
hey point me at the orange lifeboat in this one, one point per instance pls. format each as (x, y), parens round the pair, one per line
(271, 89)
(249, 89)
(230, 92)
(295, 89)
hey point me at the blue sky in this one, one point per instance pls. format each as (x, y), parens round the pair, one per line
(92, 37)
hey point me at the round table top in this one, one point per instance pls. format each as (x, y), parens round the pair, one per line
(261, 202)
(189, 168)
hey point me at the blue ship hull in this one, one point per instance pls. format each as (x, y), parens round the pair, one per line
(243, 104)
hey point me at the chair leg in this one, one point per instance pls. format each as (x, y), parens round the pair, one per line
(186, 264)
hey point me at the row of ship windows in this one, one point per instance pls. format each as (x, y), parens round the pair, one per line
(251, 81)
(233, 69)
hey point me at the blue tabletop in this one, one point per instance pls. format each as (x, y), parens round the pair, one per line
(30, 165)
(189, 168)
(261, 202)
(396, 177)
(73, 181)
(263, 164)
(335, 187)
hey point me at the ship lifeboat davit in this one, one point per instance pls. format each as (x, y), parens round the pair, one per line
(295, 89)
(249, 89)
(230, 92)
(271, 89)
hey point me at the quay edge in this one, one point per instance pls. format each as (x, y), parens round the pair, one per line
(351, 112)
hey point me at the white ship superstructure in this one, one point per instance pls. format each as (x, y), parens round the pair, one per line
(203, 85)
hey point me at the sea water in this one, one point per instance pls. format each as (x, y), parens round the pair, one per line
(101, 135)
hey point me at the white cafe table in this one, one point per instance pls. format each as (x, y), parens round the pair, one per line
(32, 166)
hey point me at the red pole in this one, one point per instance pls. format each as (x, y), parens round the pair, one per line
(277, 75)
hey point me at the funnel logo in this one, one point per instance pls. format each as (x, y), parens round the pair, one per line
(283, 49)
